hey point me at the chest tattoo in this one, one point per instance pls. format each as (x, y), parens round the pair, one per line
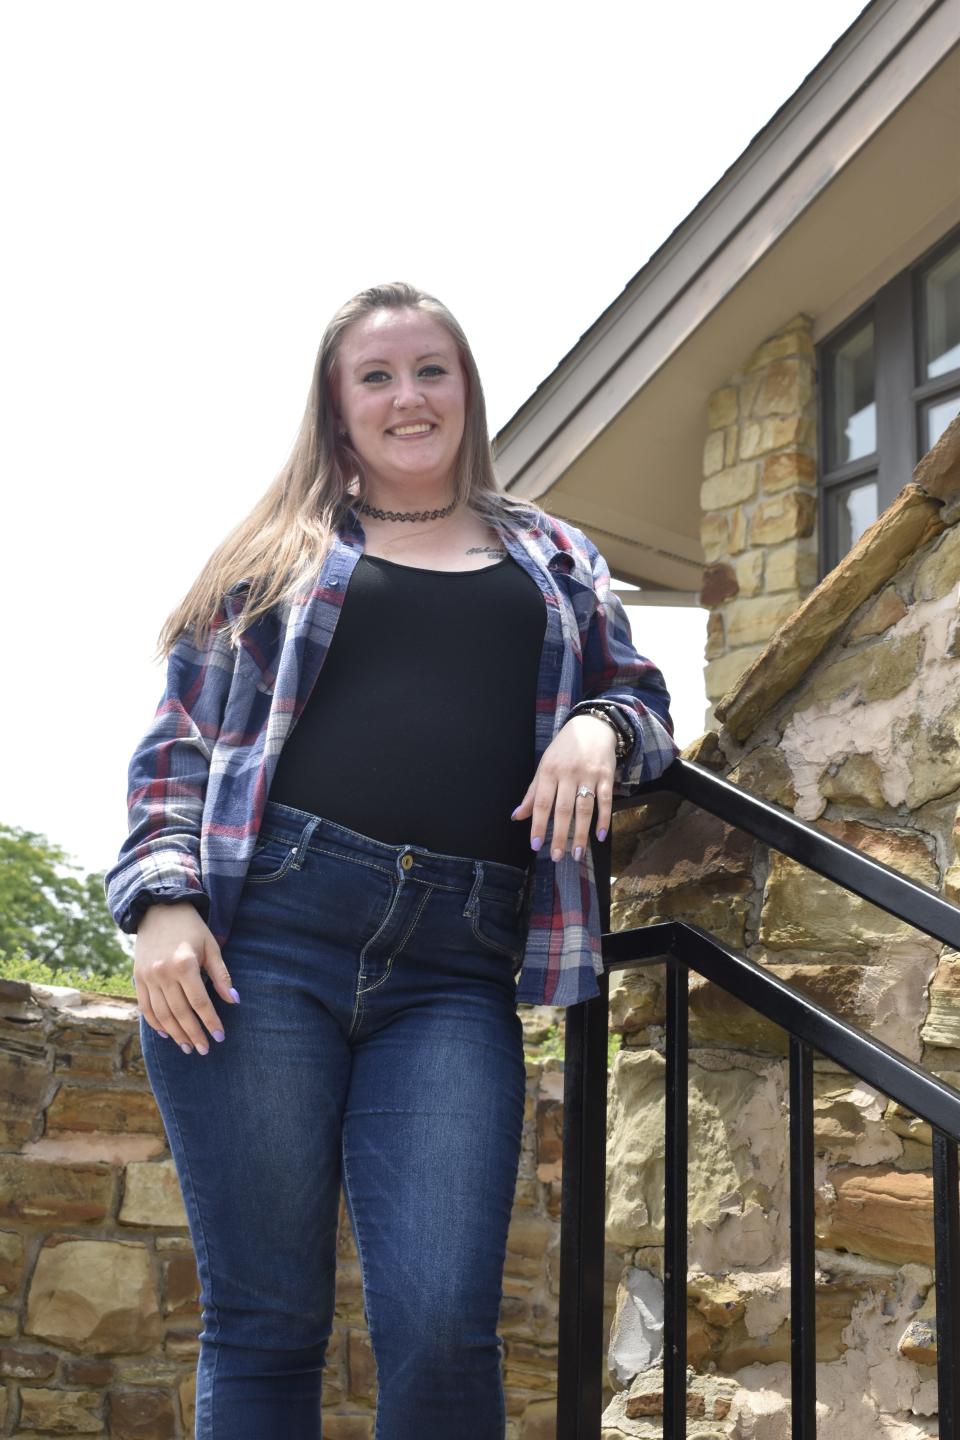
(496, 551)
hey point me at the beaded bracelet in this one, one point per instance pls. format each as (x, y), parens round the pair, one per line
(614, 712)
(623, 744)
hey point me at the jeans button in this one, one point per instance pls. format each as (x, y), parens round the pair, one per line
(406, 860)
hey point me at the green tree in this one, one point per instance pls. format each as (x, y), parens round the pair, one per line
(54, 924)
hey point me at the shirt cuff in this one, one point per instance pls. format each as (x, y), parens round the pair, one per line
(198, 899)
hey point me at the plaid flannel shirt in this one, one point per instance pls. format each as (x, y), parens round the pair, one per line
(200, 777)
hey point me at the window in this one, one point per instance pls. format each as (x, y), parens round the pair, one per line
(889, 387)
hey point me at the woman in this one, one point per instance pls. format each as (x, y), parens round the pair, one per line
(365, 802)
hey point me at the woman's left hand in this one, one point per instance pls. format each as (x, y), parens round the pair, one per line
(583, 752)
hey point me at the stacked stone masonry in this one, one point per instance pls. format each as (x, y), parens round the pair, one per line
(99, 1293)
(758, 501)
(850, 719)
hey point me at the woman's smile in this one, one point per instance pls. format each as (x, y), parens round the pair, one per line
(412, 432)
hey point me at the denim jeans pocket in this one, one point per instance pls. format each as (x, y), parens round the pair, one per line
(497, 923)
(270, 860)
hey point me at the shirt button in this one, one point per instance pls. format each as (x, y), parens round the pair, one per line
(406, 860)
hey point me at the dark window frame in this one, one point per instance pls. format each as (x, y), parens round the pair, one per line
(901, 393)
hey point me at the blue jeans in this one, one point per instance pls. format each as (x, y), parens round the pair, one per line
(377, 1043)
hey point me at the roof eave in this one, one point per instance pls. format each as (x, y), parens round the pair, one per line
(834, 112)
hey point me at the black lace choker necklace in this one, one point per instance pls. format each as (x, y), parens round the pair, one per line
(366, 509)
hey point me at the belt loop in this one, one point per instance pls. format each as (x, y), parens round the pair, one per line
(304, 840)
(473, 899)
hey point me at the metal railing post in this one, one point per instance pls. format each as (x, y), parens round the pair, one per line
(803, 1313)
(675, 1208)
(583, 1198)
(946, 1236)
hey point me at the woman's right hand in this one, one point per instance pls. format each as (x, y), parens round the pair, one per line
(173, 944)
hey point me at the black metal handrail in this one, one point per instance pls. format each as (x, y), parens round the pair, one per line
(810, 1027)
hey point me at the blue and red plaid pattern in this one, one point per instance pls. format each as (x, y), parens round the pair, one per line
(199, 778)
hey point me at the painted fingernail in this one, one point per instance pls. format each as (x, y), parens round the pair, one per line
(513, 812)
(577, 852)
(234, 996)
(203, 1049)
(556, 854)
(187, 1049)
(536, 842)
(218, 1035)
(164, 1034)
(602, 833)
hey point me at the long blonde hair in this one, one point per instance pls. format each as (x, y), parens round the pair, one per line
(290, 529)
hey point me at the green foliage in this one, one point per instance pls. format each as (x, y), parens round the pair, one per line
(552, 1044)
(19, 966)
(55, 927)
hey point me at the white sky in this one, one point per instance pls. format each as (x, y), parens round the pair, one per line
(192, 190)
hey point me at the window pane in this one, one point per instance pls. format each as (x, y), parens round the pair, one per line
(855, 507)
(854, 407)
(941, 296)
(937, 416)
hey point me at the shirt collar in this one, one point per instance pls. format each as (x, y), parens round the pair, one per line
(533, 537)
(351, 532)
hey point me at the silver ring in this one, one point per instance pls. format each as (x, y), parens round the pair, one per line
(585, 790)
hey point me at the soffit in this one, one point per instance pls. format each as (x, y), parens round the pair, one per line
(613, 440)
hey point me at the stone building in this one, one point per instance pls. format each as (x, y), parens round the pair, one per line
(764, 422)
(763, 387)
(849, 718)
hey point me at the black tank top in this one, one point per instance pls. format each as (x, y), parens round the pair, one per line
(421, 726)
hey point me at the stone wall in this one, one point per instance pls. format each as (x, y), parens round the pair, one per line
(758, 501)
(850, 718)
(99, 1295)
